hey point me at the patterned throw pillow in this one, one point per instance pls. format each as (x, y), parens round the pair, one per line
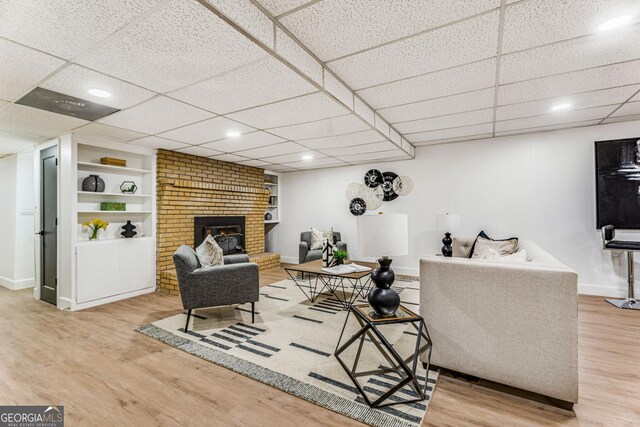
(502, 247)
(319, 236)
(209, 253)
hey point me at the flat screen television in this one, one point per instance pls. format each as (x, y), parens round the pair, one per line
(618, 183)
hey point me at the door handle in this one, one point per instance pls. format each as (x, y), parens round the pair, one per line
(41, 232)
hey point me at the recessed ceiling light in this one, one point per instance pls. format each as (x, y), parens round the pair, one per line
(561, 107)
(233, 134)
(616, 22)
(100, 93)
(307, 157)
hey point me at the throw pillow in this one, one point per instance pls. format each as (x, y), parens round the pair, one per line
(484, 242)
(320, 236)
(493, 255)
(209, 253)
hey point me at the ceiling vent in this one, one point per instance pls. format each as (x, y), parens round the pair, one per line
(60, 103)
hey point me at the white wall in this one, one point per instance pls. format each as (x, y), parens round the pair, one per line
(537, 186)
(8, 166)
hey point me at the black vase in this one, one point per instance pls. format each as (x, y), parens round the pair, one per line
(383, 300)
(128, 230)
(447, 249)
(93, 183)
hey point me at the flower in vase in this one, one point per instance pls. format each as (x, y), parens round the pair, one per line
(94, 226)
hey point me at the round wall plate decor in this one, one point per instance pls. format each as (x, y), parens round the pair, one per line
(353, 190)
(402, 185)
(387, 186)
(358, 206)
(373, 197)
(373, 178)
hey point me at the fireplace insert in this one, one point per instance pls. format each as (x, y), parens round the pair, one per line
(228, 231)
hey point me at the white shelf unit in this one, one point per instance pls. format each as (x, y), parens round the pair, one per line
(113, 267)
(271, 183)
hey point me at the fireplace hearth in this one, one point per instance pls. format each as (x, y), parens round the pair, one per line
(228, 231)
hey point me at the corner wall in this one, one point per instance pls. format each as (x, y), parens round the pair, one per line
(537, 186)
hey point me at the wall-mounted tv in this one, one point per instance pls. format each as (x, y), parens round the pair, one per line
(618, 183)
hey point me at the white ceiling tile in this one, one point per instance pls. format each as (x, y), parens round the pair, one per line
(206, 131)
(315, 106)
(585, 52)
(178, 45)
(228, 158)
(254, 163)
(479, 75)
(628, 109)
(290, 50)
(246, 15)
(11, 143)
(32, 121)
(327, 162)
(278, 7)
(450, 133)
(322, 128)
(334, 28)
(364, 111)
(555, 118)
(451, 140)
(295, 157)
(158, 143)
(379, 155)
(244, 142)
(22, 68)
(273, 150)
(337, 89)
(548, 128)
(358, 149)
(636, 97)
(109, 132)
(198, 151)
(458, 44)
(356, 138)
(157, 115)
(66, 28)
(566, 84)
(578, 101)
(444, 122)
(76, 81)
(281, 168)
(439, 107)
(621, 119)
(258, 83)
(537, 22)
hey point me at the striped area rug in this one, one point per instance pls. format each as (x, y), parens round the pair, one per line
(290, 347)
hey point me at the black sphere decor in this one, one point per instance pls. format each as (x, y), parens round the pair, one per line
(383, 300)
(93, 183)
(357, 206)
(447, 249)
(268, 217)
(373, 178)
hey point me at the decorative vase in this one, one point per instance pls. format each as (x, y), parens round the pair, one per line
(93, 183)
(94, 234)
(383, 300)
(268, 216)
(339, 261)
(447, 249)
(128, 230)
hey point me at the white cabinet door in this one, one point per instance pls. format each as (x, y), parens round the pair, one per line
(97, 272)
(136, 264)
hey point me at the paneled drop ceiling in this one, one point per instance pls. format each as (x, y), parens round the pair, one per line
(299, 84)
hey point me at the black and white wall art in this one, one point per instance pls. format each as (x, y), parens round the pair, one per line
(618, 183)
(376, 188)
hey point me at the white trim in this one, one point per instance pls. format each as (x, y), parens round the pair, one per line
(603, 291)
(73, 306)
(17, 284)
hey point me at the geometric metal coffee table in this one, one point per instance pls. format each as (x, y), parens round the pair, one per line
(345, 287)
(400, 368)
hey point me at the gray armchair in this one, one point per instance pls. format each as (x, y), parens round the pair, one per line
(305, 254)
(235, 282)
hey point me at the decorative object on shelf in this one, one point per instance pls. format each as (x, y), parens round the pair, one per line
(447, 223)
(94, 226)
(128, 230)
(339, 256)
(268, 217)
(373, 178)
(272, 200)
(378, 187)
(113, 162)
(113, 206)
(358, 206)
(128, 187)
(93, 183)
(388, 234)
(327, 253)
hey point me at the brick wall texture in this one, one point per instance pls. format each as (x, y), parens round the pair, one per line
(189, 186)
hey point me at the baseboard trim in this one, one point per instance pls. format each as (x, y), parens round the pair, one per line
(602, 291)
(17, 284)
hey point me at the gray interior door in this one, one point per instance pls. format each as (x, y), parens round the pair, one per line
(49, 221)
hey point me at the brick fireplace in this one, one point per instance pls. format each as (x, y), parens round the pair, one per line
(190, 186)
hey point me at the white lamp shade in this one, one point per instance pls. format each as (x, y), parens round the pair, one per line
(383, 235)
(447, 223)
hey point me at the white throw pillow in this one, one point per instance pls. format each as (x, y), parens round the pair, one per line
(209, 253)
(502, 247)
(320, 236)
(493, 255)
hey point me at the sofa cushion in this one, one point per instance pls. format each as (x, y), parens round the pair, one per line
(484, 242)
(318, 237)
(210, 254)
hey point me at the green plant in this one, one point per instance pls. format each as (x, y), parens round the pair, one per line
(340, 254)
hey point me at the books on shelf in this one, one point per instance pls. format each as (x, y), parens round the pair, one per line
(346, 269)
